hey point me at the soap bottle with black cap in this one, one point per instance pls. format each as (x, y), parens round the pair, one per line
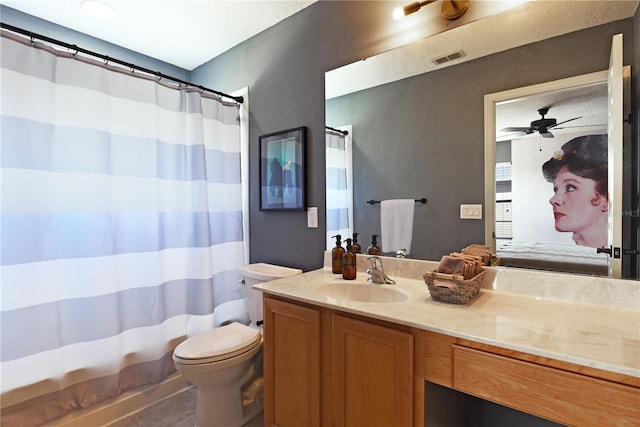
(355, 247)
(374, 249)
(336, 255)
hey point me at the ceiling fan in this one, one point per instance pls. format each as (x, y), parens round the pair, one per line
(542, 125)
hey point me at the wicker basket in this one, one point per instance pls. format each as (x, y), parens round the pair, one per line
(453, 288)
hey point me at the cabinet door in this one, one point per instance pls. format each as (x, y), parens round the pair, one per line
(291, 364)
(372, 374)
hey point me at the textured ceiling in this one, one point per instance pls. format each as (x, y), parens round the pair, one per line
(186, 33)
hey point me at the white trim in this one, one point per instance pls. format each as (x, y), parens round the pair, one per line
(615, 151)
(244, 167)
(348, 148)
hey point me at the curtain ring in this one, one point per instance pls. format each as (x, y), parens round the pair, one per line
(76, 48)
(31, 37)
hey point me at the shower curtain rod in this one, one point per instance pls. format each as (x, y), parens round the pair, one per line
(344, 132)
(107, 59)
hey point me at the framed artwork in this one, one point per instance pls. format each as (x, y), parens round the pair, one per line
(282, 170)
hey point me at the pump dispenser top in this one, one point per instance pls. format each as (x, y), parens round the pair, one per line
(374, 249)
(336, 256)
(356, 248)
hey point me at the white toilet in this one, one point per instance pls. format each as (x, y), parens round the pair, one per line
(225, 363)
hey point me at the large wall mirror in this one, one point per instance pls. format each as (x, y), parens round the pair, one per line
(422, 135)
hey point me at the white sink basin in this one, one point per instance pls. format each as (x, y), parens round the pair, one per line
(374, 293)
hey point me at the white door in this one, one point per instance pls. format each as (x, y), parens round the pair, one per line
(615, 131)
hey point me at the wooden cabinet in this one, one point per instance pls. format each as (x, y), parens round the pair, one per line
(291, 364)
(325, 367)
(365, 377)
(372, 374)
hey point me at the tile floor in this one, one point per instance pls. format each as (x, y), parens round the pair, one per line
(176, 411)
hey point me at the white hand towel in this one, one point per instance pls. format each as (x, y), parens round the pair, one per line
(396, 224)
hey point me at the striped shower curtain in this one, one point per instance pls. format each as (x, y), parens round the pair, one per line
(339, 184)
(121, 227)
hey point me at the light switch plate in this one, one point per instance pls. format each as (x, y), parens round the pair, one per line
(470, 211)
(312, 217)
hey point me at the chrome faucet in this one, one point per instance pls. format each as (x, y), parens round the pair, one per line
(401, 253)
(377, 272)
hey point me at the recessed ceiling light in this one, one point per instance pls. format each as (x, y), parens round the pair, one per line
(99, 10)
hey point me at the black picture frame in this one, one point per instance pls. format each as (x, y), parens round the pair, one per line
(283, 170)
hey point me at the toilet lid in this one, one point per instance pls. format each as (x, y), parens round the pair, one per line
(217, 344)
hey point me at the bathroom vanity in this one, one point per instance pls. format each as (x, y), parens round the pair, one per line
(564, 348)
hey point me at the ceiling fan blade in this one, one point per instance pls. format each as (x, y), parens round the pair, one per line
(580, 126)
(559, 123)
(518, 129)
(512, 135)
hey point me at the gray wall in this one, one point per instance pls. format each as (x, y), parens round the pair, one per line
(284, 69)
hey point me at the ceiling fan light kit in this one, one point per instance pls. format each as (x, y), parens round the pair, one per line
(542, 125)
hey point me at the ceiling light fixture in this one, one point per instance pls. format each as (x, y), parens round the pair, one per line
(99, 10)
(451, 9)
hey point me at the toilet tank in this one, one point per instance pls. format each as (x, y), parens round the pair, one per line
(257, 273)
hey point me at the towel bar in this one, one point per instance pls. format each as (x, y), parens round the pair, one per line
(373, 202)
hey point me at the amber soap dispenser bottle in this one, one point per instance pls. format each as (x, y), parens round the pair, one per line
(336, 256)
(374, 249)
(349, 263)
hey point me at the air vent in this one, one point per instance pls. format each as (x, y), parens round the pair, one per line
(448, 57)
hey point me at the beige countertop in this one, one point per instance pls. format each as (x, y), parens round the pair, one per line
(588, 321)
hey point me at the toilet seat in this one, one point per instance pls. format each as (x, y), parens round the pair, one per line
(217, 344)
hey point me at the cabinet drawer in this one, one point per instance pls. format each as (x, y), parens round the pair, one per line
(557, 395)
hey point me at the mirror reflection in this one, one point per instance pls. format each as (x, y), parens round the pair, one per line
(422, 136)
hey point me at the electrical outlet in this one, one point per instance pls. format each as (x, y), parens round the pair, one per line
(470, 211)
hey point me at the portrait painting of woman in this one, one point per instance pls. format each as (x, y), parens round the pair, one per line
(580, 201)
